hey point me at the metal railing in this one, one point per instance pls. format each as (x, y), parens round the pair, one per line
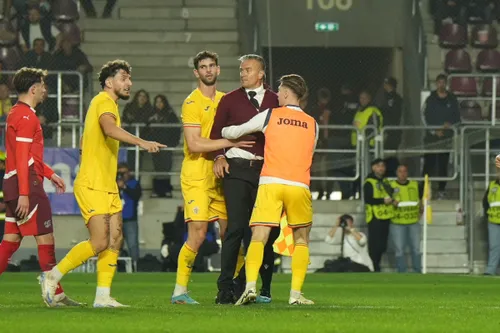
(59, 96)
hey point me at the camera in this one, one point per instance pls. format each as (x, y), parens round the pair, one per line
(120, 176)
(343, 221)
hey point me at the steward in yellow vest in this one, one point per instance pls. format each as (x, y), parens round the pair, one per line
(491, 205)
(366, 115)
(379, 211)
(405, 229)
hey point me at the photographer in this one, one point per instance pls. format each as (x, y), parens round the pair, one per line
(130, 193)
(354, 247)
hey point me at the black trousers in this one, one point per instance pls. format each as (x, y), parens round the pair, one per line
(240, 191)
(437, 161)
(378, 236)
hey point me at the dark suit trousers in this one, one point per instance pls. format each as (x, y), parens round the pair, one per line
(378, 236)
(240, 191)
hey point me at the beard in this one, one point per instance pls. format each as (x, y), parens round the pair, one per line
(208, 82)
(122, 96)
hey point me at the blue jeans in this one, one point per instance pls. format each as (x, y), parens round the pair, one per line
(131, 235)
(401, 236)
(493, 248)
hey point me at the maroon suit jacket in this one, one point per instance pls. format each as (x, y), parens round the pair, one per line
(235, 109)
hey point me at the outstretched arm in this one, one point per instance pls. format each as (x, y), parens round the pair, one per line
(198, 144)
(257, 124)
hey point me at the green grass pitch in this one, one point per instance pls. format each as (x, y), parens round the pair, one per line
(344, 303)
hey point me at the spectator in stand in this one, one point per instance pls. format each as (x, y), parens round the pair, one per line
(448, 9)
(138, 111)
(441, 109)
(48, 116)
(130, 193)
(90, 11)
(483, 9)
(342, 165)
(37, 57)
(392, 111)
(70, 58)
(5, 102)
(38, 26)
(162, 161)
(320, 112)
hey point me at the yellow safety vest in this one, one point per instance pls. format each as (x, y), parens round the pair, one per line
(362, 118)
(494, 202)
(383, 211)
(408, 209)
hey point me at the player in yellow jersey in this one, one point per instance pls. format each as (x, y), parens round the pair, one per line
(95, 186)
(203, 200)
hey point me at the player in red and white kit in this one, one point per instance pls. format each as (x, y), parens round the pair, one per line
(28, 211)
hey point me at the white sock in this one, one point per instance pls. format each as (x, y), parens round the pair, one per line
(251, 285)
(179, 290)
(102, 292)
(295, 294)
(56, 274)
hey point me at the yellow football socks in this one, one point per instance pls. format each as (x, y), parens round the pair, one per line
(240, 262)
(255, 255)
(106, 267)
(79, 254)
(300, 261)
(185, 266)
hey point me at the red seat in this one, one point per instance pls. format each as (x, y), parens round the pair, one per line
(71, 30)
(488, 61)
(470, 111)
(10, 57)
(65, 10)
(484, 36)
(457, 61)
(463, 86)
(487, 89)
(453, 36)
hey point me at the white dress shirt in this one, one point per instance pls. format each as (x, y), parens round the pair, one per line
(354, 249)
(241, 153)
(258, 124)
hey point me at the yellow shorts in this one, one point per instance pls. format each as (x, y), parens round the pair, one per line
(92, 202)
(203, 200)
(273, 199)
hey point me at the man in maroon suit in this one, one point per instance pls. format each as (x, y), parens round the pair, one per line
(240, 170)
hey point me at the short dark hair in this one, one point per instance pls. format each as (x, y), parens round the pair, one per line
(110, 69)
(26, 77)
(205, 55)
(442, 76)
(295, 83)
(377, 161)
(38, 40)
(324, 93)
(347, 217)
(367, 92)
(123, 165)
(256, 57)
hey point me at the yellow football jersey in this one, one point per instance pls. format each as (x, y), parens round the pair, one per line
(198, 111)
(99, 161)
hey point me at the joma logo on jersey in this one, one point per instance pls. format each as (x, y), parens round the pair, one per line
(292, 122)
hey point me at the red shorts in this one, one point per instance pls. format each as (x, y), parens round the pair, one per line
(39, 219)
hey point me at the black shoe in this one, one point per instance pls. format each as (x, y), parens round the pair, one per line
(265, 293)
(238, 288)
(224, 297)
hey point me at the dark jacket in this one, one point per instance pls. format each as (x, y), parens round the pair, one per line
(130, 196)
(368, 190)
(169, 136)
(235, 109)
(32, 59)
(439, 111)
